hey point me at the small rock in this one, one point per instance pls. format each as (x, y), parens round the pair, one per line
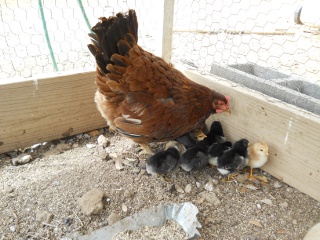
(294, 221)
(91, 202)
(103, 155)
(160, 198)
(179, 189)
(93, 133)
(209, 186)
(9, 189)
(242, 177)
(182, 196)
(103, 141)
(56, 183)
(266, 201)
(284, 204)
(118, 163)
(127, 193)
(86, 136)
(198, 184)
(258, 206)
(124, 208)
(215, 181)
(90, 145)
(22, 160)
(75, 145)
(68, 221)
(289, 189)
(211, 198)
(188, 188)
(113, 218)
(79, 136)
(12, 228)
(277, 184)
(135, 170)
(43, 216)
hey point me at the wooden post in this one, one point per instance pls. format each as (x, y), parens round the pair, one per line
(167, 30)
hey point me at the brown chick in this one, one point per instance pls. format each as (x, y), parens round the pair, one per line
(258, 156)
(140, 95)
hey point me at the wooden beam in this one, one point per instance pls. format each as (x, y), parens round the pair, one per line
(38, 110)
(293, 135)
(167, 30)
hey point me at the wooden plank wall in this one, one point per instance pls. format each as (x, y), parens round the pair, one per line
(38, 110)
(293, 135)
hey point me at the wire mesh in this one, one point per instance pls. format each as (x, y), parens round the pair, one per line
(255, 43)
(25, 51)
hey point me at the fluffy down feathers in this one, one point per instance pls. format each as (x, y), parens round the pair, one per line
(139, 94)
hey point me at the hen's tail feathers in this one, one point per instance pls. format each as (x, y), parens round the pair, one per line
(112, 38)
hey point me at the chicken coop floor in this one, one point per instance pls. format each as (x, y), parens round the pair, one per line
(64, 170)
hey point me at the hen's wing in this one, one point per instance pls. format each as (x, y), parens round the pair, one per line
(140, 95)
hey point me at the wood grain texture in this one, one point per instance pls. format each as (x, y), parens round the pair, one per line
(293, 135)
(43, 109)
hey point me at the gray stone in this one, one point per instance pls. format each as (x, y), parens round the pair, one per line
(92, 202)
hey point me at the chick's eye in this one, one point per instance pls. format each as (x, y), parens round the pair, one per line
(261, 150)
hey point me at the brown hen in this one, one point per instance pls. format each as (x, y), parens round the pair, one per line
(139, 94)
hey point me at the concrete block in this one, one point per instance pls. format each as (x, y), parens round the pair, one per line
(272, 83)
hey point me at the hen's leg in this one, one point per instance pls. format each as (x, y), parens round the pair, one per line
(145, 149)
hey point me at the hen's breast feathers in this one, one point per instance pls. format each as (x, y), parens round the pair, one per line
(139, 94)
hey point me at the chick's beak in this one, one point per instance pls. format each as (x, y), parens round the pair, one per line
(228, 110)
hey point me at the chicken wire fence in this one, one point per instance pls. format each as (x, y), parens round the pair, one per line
(255, 43)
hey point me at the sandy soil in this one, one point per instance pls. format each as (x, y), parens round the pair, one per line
(64, 170)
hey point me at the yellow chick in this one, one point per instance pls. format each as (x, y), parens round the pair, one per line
(258, 156)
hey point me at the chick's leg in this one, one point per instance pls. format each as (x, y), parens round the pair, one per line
(251, 177)
(145, 149)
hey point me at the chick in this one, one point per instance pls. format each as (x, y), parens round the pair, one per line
(216, 134)
(163, 162)
(258, 156)
(195, 158)
(216, 150)
(234, 159)
(187, 140)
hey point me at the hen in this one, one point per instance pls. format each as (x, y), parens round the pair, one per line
(139, 94)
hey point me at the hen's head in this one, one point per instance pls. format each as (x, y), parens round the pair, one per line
(221, 104)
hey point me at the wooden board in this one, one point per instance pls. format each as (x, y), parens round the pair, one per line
(293, 135)
(38, 110)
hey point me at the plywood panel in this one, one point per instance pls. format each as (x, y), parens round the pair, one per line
(38, 110)
(293, 135)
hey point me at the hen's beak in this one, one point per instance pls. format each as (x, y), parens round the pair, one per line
(228, 110)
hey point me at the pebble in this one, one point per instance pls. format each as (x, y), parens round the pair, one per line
(91, 202)
(284, 204)
(211, 198)
(113, 218)
(124, 208)
(188, 188)
(209, 186)
(103, 141)
(90, 145)
(136, 170)
(93, 133)
(103, 155)
(179, 189)
(294, 221)
(242, 177)
(259, 206)
(12, 228)
(75, 145)
(9, 189)
(215, 181)
(43, 216)
(127, 193)
(277, 184)
(22, 160)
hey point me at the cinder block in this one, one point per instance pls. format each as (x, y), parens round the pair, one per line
(272, 83)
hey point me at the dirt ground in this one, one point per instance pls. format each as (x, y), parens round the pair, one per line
(64, 170)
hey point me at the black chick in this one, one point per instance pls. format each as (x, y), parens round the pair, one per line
(163, 162)
(195, 158)
(234, 159)
(216, 134)
(216, 150)
(187, 140)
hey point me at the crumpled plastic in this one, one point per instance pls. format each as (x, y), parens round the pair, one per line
(185, 214)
